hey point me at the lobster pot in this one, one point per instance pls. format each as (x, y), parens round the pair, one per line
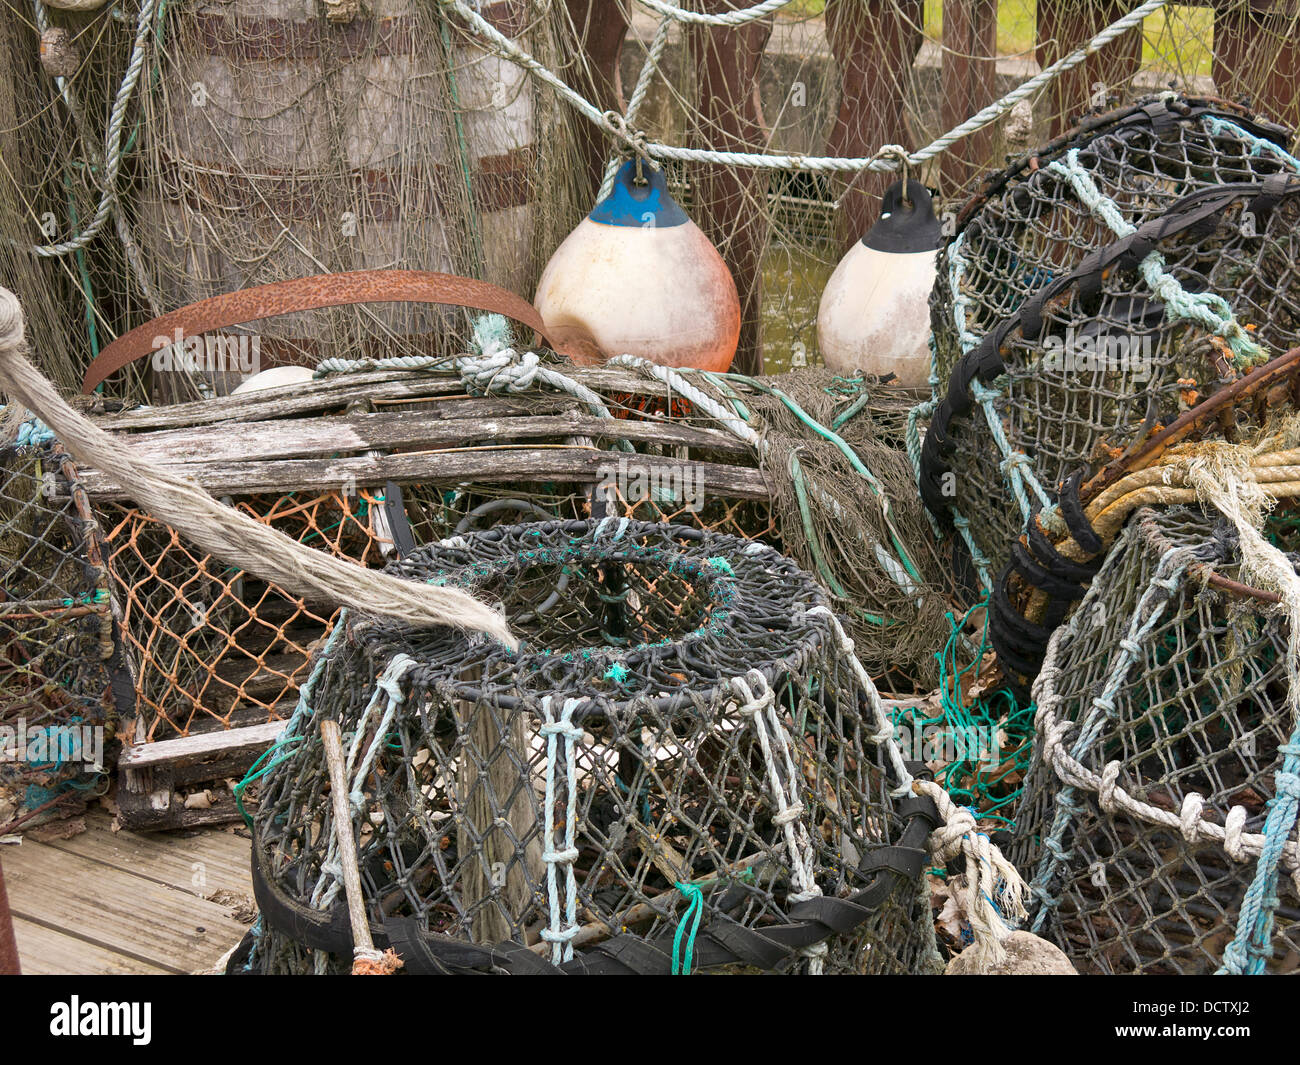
(1053, 215)
(679, 735)
(282, 144)
(215, 647)
(60, 669)
(1143, 813)
(1143, 335)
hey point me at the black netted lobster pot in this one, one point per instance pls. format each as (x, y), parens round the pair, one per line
(676, 771)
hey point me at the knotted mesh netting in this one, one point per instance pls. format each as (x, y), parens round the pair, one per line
(61, 672)
(1059, 397)
(681, 768)
(1164, 745)
(1068, 306)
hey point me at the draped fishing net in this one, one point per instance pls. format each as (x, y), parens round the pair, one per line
(61, 672)
(1158, 820)
(683, 732)
(158, 151)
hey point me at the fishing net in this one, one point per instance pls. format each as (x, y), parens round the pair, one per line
(62, 680)
(167, 151)
(214, 646)
(1165, 761)
(677, 770)
(1166, 323)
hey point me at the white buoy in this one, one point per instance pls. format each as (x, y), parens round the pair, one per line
(875, 312)
(276, 377)
(638, 277)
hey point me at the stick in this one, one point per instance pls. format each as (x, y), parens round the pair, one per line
(366, 960)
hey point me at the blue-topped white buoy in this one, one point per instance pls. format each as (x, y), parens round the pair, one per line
(875, 311)
(638, 277)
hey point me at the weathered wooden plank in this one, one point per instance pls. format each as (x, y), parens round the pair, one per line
(337, 391)
(483, 464)
(201, 862)
(137, 918)
(46, 951)
(187, 750)
(394, 430)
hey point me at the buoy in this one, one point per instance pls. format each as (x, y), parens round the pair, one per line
(638, 277)
(276, 377)
(875, 311)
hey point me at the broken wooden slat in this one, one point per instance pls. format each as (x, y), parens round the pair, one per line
(337, 391)
(188, 750)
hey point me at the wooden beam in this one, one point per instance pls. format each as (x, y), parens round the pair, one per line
(406, 429)
(339, 390)
(496, 465)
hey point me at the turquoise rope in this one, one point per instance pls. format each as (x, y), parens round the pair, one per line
(1251, 947)
(694, 911)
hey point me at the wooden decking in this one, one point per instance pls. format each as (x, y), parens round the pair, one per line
(116, 902)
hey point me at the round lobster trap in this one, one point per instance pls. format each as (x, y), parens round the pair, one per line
(1158, 818)
(681, 767)
(1076, 281)
(1168, 335)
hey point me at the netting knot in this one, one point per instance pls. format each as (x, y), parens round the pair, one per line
(1189, 817)
(1106, 789)
(1232, 833)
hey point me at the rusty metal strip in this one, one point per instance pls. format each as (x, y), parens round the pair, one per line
(377, 195)
(310, 293)
(282, 40)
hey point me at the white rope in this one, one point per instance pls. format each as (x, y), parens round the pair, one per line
(561, 930)
(758, 704)
(996, 888)
(1189, 821)
(879, 162)
(726, 18)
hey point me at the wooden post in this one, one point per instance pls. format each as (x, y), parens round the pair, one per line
(503, 788)
(8, 943)
(730, 204)
(599, 30)
(1257, 54)
(1063, 25)
(875, 43)
(969, 83)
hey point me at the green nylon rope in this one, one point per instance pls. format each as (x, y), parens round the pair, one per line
(692, 914)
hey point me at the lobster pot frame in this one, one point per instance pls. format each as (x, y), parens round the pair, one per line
(680, 734)
(1007, 421)
(1183, 322)
(1162, 730)
(60, 669)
